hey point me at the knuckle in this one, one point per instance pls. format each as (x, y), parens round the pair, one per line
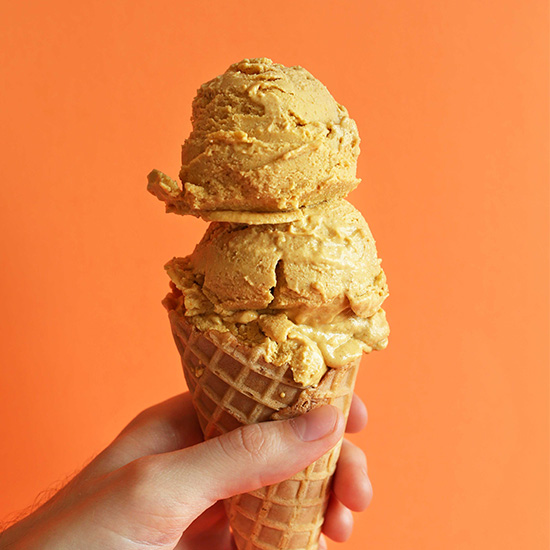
(253, 440)
(249, 440)
(254, 452)
(138, 421)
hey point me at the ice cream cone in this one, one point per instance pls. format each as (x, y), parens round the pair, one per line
(232, 385)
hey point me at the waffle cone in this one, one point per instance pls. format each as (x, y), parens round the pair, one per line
(232, 385)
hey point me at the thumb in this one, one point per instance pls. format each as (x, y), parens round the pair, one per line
(259, 454)
(189, 481)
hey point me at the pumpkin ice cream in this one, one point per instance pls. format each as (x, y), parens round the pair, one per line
(273, 310)
(266, 138)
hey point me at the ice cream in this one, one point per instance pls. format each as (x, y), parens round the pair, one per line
(274, 308)
(308, 293)
(266, 138)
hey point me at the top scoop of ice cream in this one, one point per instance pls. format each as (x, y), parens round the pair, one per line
(266, 138)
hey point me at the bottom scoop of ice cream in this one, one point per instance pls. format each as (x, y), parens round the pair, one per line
(308, 292)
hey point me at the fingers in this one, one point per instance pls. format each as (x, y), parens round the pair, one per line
(165, 493)
(213, 520)
(351, 484)
(173, 425)
(352, 490)
(358, 416)
(338, 521)
(182, 484)
(209, 531)
(156, 497)
(260, 454)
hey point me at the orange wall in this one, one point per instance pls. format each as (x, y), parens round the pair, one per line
(451, 102)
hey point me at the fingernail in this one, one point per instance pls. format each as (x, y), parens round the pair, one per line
(316, 424)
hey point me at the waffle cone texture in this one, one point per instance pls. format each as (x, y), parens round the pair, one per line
(231, 386)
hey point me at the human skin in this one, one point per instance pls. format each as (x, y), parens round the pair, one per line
(158, 485)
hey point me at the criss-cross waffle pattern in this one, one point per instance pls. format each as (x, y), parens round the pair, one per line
(233, 385)
(286, 515)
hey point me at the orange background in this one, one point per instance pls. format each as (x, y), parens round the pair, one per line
(451, 103)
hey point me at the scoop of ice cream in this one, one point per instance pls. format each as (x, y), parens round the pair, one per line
(266, 138)
(310, 291)
(320, 265)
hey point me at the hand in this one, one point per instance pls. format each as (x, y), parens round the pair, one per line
(157, 485)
